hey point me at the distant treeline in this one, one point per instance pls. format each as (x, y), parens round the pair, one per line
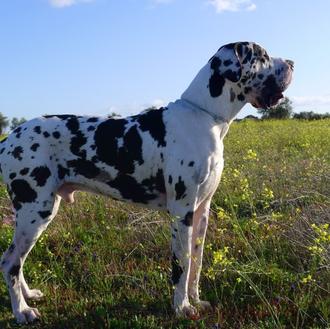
(311, 115)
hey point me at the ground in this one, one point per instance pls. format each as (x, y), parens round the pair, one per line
(105, 264)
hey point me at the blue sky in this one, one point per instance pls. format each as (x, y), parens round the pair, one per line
(99, 56)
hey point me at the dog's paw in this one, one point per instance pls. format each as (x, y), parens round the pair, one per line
(34, 294)
(27, 315)
(187, 311)
(203, 306)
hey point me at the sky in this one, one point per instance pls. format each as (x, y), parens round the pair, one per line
(101, 56)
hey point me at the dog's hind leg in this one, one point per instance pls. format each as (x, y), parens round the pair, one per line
(181, 257)
(31, 220)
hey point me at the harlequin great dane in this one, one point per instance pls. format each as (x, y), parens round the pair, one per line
(169, 159)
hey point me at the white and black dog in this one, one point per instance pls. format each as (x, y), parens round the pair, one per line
(169, 159)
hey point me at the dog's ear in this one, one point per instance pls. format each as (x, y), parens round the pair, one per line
(226, 64)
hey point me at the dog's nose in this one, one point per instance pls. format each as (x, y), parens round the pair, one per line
(290, 63)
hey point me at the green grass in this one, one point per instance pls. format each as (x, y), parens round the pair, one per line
(105, 264)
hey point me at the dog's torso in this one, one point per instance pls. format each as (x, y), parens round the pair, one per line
(146, 159)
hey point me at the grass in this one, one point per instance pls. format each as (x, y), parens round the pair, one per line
(105, 264)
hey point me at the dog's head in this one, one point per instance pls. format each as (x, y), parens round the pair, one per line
(255, 77)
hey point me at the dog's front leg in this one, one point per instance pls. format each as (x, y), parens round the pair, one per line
(200, 222)
(181, 259)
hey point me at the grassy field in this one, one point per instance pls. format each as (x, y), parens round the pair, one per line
(105, 264)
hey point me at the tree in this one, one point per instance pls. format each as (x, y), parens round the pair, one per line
(4, 123)
(15, 122)
(282, 110)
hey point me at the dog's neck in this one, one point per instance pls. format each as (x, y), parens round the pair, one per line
(198, 93)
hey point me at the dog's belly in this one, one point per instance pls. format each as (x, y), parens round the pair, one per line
(155, 200)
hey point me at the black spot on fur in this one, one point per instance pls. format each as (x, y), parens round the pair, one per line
(215, 63)
(270, 88)
(239, 49)
(22, 193)
(232, 75)
(60, 116)
(227, 62)
(106, 139)
(46, 134)
(73, 124)
(17, 153)
(56, 134)
(12, 175)
(91, 128)
(170, 179)
(24, 171)
(84, 167)
(191, 164)
(34, 147)
(155, 183)
(188, 219)
(241, 97)
(125, 157)
(37, 129)
(130, 189)
(14, 270)
(17, 130)
(40, 175)
(180, 189)
(244, 80)
(62, 172)
(130, 152)
(217, 81)
(33, 221)
(176, 270)
(93, 119)
(44, 214)
(232, 95)
(77, 142)
(248, 56)
(152, 122)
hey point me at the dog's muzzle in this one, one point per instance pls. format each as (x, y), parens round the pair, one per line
(274, 86)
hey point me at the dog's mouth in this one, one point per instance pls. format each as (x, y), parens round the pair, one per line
(267, 101)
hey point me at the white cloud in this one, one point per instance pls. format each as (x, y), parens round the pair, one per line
(66, 3)
(233, 5)
(311, 101)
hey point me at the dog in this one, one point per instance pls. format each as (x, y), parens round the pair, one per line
(169, 159)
